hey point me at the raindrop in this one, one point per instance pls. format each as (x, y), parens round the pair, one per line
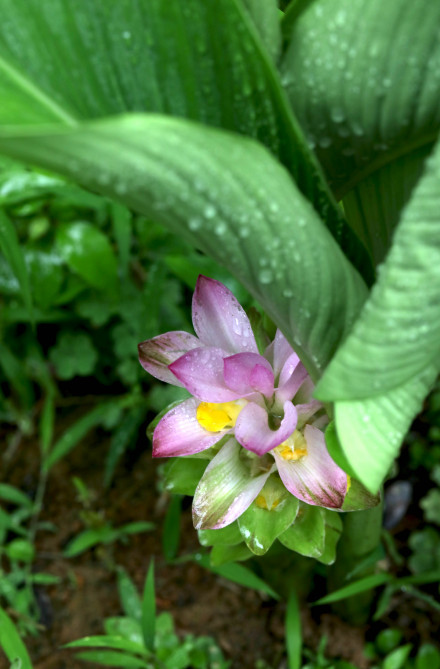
(266, 276)
(126, 35)
(357, 129)
(194, 224)
(121, 188)
(210, 211)
(220, 229)
(287, 292)
(337, 114)
(104, 179)
(325, 142)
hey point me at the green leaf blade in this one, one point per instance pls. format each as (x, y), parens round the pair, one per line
(148, 619)
(11, 642)
(11, 249)
(202, 61)
(227, 196)
(397, 335)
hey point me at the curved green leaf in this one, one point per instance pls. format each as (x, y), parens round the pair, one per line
(307, 534)
(88, 252)
(261, 525)
(372, 90)
(364, 584)
(12, 251)
(201, 60)
(371, 431)
(11, 643)
(398, 333)
(265, 15)
(228, 196)
(108, 641)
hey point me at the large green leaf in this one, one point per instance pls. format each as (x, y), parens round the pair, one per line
(63, 63)
(383, 371)
(265, 14)
(363, 79)
(371, 431)
(398, 333)
(226, 195)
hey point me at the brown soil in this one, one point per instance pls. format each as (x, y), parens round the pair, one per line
(246, 624)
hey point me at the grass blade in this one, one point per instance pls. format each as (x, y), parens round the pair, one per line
(11, 643)
(364, 584)
(293, 632)
(171, 528)
(148, 621)
(11, 249)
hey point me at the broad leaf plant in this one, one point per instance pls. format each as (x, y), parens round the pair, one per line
(297, 148)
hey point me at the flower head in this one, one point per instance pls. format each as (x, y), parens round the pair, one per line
(258, 408)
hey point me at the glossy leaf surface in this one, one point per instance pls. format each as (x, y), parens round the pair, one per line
(226, 195)
(371, 109)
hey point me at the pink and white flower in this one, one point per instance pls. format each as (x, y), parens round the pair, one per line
(262, 402)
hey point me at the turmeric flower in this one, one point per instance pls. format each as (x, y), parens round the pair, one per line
(258, 410)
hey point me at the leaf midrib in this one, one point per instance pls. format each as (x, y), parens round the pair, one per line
(36, 93)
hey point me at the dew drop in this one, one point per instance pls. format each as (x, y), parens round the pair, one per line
(121, 188)
(325, 142)
(337, 114)
(220, 229)
(210, 211)
(194, 224)
(104, 179)
(266, 276)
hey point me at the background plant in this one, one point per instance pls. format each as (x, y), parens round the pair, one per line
(244, 156)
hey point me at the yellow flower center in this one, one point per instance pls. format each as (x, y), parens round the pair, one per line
(294, 448)
(263, 503)
(217, 417)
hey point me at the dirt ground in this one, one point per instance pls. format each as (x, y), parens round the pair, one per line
(247, 625)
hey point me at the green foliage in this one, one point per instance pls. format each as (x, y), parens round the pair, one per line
(425, 546)
(142, 639)
(230, 196)
(12, 644)
(73, 355)
(17, 555)
(104, 534)
(219, 138)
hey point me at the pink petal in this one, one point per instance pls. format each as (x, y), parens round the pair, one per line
(218, 318)
(252, 430)
(315, 478)
(248, 372)
(292, 377)
(306, 411)
(179, 432)
(226, 489)
(200, 371)
(156, 354)
(278, 352)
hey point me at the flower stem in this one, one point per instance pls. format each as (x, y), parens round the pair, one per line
(360, 538)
